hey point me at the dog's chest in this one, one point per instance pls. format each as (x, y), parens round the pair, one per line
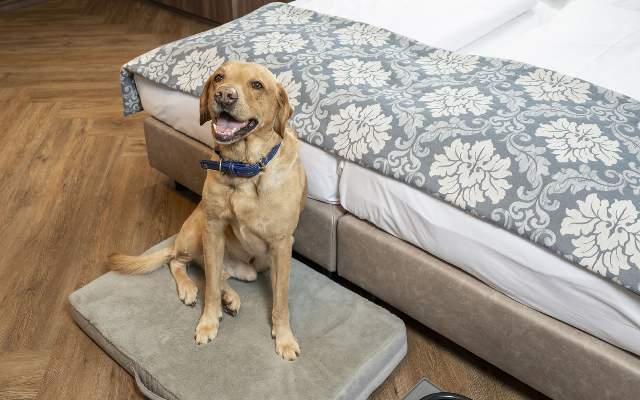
(252, 218)
(259, 211)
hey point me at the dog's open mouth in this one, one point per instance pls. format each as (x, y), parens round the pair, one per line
(228, 129)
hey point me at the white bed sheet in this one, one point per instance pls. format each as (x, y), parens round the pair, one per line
(447, 24)
(540, 14)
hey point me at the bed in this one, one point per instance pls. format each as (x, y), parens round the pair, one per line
(562, 356)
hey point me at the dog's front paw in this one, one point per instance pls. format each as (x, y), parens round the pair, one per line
(287, 347)
(206, 331)
(188, 292)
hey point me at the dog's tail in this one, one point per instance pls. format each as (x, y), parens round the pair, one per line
(141, 264)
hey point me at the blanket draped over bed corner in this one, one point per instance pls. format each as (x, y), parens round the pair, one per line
(551, 158)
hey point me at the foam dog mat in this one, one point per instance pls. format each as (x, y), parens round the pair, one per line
(349, 345)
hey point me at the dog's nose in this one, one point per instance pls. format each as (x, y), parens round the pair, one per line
(226, 95)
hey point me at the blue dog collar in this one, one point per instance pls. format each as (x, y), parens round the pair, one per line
(238, 168)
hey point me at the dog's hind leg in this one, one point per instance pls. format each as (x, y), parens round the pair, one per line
(237, 261)
(230, 298)
(241, 270)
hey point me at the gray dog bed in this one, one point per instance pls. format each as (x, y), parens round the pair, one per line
(349, 345)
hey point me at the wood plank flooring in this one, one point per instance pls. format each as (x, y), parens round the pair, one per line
(75, 185)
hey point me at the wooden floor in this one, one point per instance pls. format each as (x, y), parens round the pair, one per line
(75, 185)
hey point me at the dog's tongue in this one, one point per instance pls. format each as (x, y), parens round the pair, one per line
(226, 126)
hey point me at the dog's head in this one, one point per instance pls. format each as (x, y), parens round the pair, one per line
(243, 98)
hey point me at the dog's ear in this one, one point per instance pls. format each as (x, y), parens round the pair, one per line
(205, 115)
(284, 111)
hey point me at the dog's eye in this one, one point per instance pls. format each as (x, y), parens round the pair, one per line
(257, 85)
(218, 78)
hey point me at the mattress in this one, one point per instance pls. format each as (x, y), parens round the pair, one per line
(510, 264)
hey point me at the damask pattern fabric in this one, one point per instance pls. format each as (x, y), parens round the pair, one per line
(546, 156)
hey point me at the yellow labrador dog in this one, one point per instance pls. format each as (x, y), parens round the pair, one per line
(249, 210)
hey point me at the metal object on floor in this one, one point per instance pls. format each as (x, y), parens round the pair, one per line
(425, 390)
(445, 396)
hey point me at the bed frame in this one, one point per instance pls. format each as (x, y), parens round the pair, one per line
(555, 358)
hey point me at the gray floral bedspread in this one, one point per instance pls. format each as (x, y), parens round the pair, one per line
(548, 157)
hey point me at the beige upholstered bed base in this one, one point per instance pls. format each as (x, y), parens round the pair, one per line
(551, 356)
